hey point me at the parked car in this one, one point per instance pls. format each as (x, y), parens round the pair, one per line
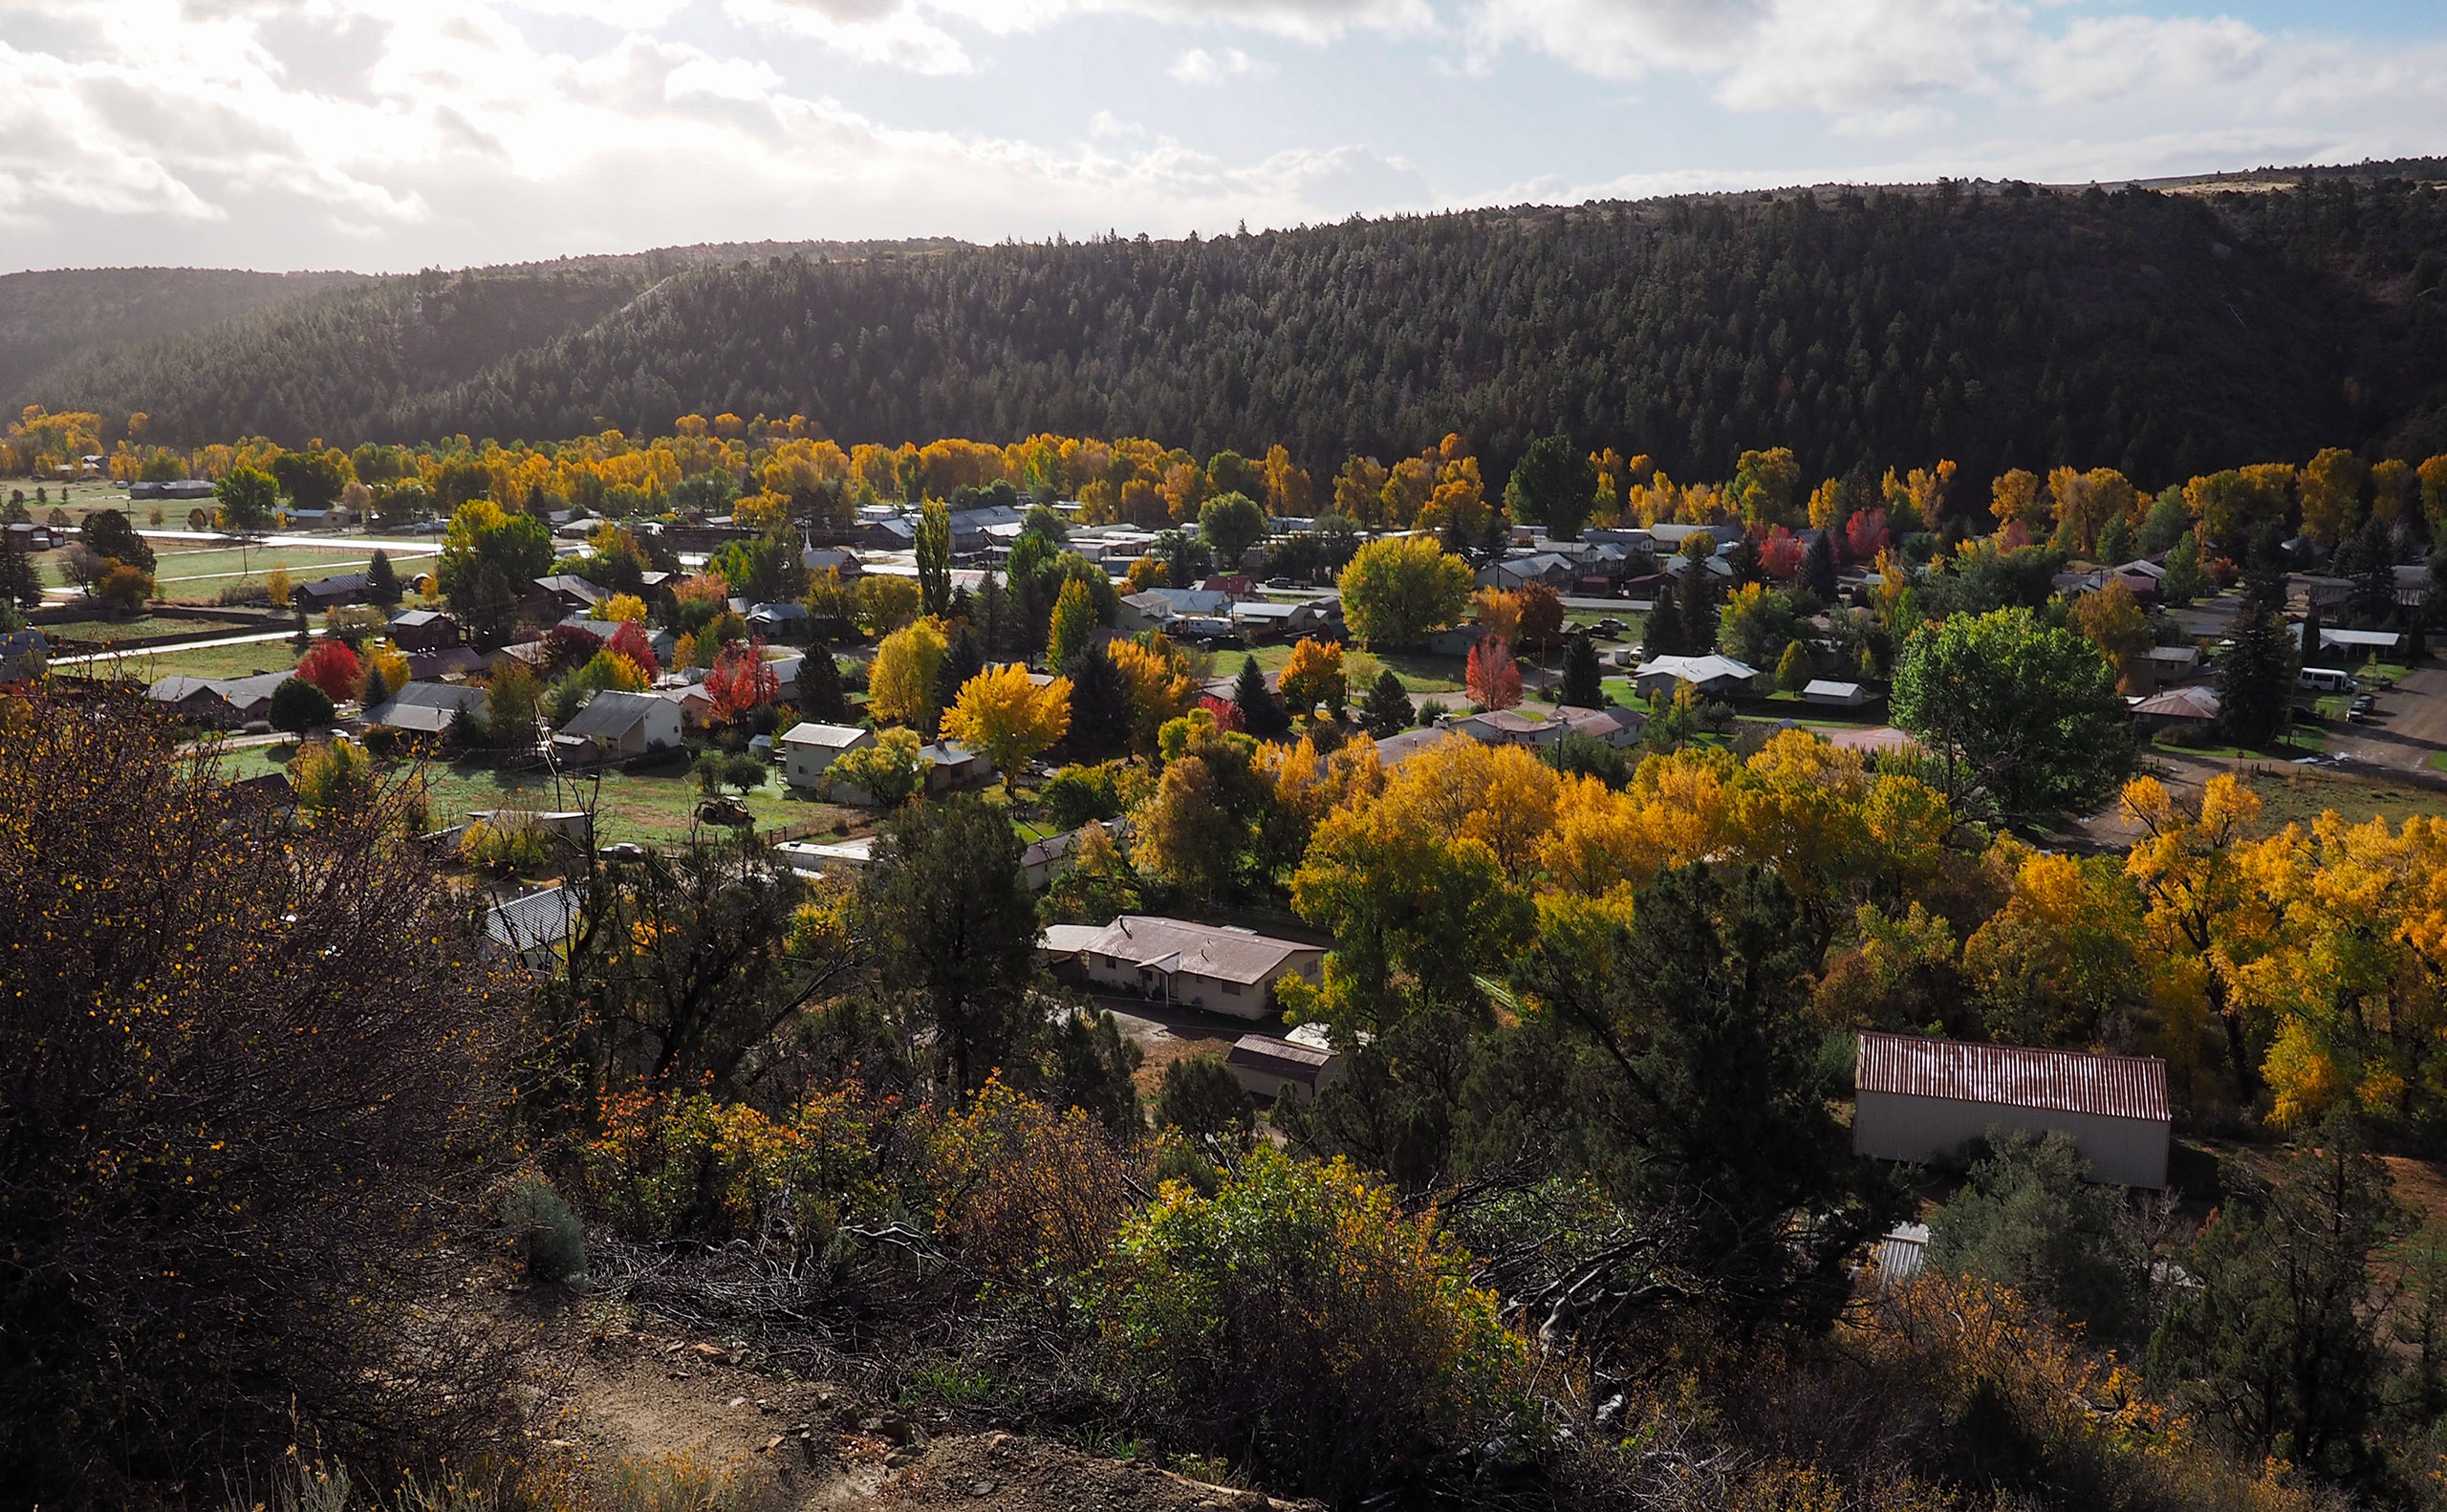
(1278, 582)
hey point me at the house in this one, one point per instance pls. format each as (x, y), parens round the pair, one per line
(1714, 677)
(415, 630)
(1613, 725)
(559, 596)
(1921, 1100)
(626, 724)
(2355, 642)
(534, 929)
(1667, 539)
(951, 765)
(1293, 1067)
(1392, 750)
(1833, 694)
(832, 560)
(30, 537)
(1293, 621)
(2162, 667)
(661, 643)
(23, 656)
(196, 700)
(1218, 967)
(1044, 858)
(432, 666)
(327, 592)
(2182, 712)
(693, 701)
(1508, 728)
(809, 748)
(1156, 608)
(776, 621)
(1456, 641)
(427, 708)
(1518, 572)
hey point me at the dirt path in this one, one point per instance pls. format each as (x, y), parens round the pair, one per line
(2409, 727)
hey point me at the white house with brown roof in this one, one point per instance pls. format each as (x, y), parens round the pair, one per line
(1298, 1066)
(1919, 1100)
(1218, 967)
(808, 750)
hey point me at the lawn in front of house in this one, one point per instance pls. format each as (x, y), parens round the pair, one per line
(652, 807)
(141, 628)
(195, 661)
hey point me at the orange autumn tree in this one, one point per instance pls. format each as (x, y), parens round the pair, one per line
(1492, 677)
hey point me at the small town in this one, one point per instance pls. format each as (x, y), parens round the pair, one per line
(1151, 756)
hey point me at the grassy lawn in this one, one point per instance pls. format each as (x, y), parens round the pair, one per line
(2303, 739)
(201, 572)
(654, 807)
(2299, 796)
(144, 627)
(202, 661)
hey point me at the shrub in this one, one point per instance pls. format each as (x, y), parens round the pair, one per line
(1296, 1316)
(550, 1241)
(1029, 1193)
(226, 1190)
(1078, 796)
(696, 1168)
(297, 707)
(507, 843)
(1200, 1098)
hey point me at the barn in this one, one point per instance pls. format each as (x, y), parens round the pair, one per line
(1917, 1099)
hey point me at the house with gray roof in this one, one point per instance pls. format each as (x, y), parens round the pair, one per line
(1218, 967)
(427, 708)
(619, 723)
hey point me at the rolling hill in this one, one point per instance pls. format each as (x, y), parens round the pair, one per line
(50, 318)
(2160, 329)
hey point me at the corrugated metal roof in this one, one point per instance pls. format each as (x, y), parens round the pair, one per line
(2069, 1081)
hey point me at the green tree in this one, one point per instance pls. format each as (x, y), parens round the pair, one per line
(1101, 717)
(382, 579)
(248, 497)
(2276, 1345)
(2168, 521)
(935, 558)
(2031, 1218)
(1400, 588)
(953, 926)
(1584, 679)
(1387, 709)
(2255, 679)
(311, 480)
(1202, 1098)
(1678, 1052)
(1818, 566)
(1231, 523)
(1262, 713)
(2026, 710)
(297, 707)
(107, 532)
(1793, 669)
(20, 584)
(1554, 483)
(2184, 580)
(819, 694)
(1074, 621)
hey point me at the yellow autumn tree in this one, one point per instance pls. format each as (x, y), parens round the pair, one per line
(1002, 712)
(1157, 680)
(901, 684)
(1313, 674)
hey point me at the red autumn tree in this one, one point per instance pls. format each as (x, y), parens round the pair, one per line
(741, 680)
(1780, 554)
(1227, 714)
(1865, 535)
(1492, 678)
(330, 666)
(630, 641)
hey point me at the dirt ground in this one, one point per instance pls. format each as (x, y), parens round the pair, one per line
(607, 1387)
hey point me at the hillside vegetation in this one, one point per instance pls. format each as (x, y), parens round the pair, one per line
(48, 318)
(2166, 332)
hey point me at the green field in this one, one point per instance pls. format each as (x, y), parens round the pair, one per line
(196, 661)
(2299, 795)
(657, 806)
(197, 570)
(144, 627)
(1418, 672)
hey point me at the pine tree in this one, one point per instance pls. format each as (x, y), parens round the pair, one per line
(1698, 606)
(1664, 635)
(1818, 566)
(2254, 679)
(1101, 712)
(302, 639)
(378, 689)
(2310, 645)
(963, 659)
(382, 580)
(1262, 713)
(19, 583)
(819, 695)
(1583, 677)
(1387, 708)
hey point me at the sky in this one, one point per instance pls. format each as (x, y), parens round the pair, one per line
(391, 134)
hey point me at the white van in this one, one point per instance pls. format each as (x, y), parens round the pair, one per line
(2324, 679)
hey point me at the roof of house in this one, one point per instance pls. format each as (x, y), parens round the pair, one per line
(2012, 1077)
(245, 691)
(1222, 950)
(427, 708)
(835, 737)
(1701, 670)
(336, 583)
(1510, 722)
(1054, 847)
(23, 643)
(414, 618)
(2194, 702)
(1589, 721)
(949, 753)
(178, 688)
(573, 585)
(1829, 688)
(613, 713)
(2174, 656)
(538, 919)
(1285, 1058)
(2372, 639)
(1392, 750)
(424, 666)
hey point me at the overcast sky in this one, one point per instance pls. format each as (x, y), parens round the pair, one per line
(399, 134)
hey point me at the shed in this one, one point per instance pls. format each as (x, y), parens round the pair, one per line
(533, 929)
(1918, 1099)
(427, 708)
(1837, 695)
(808, 749)
(325, 592)
(1284, 1068)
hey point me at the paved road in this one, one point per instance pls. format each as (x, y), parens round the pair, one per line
(2408, 729)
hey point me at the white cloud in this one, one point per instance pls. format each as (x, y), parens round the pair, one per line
(1199, 68)
(920, 35)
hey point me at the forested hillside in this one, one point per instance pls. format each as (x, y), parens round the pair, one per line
(47, 318)
(2165, 333)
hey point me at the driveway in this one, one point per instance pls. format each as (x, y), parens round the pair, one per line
(1165, 1033)
(2409, 727)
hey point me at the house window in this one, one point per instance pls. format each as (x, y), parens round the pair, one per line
(1232, 990)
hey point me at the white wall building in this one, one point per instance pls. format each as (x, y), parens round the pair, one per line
(1919, 1100)
(1218, 967)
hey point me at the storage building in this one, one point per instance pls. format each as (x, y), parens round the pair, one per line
(1920, 1100)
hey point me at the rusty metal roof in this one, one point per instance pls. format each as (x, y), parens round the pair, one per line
(2012, 1077)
